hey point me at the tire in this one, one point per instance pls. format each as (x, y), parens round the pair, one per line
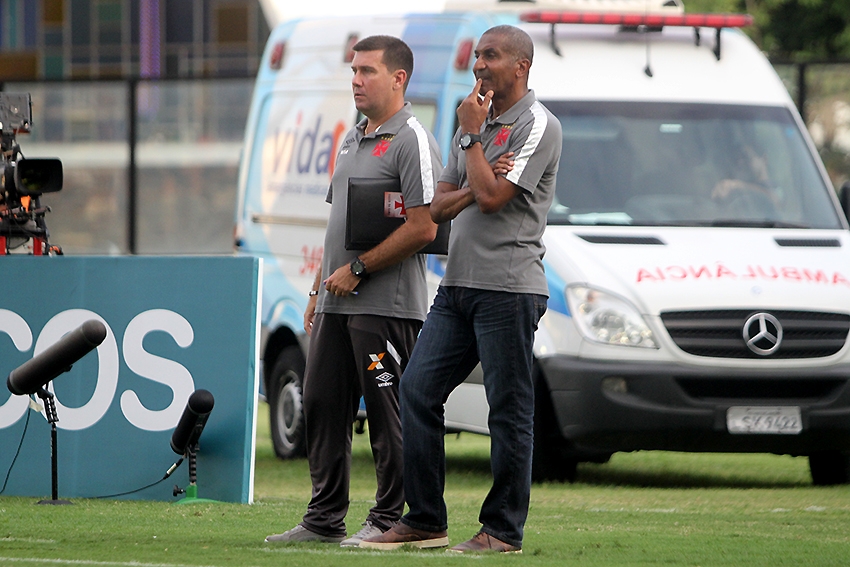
(286, 415)
(550, 458)
(830, 468)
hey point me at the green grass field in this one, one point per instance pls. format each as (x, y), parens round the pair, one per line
(648, 508)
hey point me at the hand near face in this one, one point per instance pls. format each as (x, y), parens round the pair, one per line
(473, 110)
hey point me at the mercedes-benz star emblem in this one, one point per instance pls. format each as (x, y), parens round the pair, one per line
(763, 333)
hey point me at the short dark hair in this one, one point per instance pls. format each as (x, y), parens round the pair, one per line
(518, 43)
(397, 55)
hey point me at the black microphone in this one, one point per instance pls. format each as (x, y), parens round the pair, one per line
(192, 421)
(31, 376)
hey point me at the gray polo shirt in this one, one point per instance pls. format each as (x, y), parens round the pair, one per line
(504, 251)
(403, 149)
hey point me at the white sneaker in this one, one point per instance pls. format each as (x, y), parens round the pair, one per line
(368, 530)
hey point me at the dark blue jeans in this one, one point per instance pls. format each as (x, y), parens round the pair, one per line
(465, 326)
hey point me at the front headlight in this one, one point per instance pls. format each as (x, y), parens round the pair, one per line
(605, 318)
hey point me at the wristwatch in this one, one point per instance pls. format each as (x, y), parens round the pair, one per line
(358, 268)
(468, 140)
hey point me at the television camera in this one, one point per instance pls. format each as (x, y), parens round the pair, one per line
(23, 181)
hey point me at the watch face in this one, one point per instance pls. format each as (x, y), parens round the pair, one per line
(467, 140)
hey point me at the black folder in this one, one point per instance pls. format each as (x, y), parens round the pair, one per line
(375, 209)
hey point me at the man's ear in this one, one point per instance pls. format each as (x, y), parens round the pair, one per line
(399, 78)
(522, 67)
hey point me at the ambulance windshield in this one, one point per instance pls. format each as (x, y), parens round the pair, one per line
(651, 164)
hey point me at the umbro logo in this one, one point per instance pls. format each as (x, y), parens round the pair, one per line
(346, 145)
(384, 379)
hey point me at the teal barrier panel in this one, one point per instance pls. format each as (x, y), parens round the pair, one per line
(174, 325)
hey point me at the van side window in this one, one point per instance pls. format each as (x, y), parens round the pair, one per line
(426, 113)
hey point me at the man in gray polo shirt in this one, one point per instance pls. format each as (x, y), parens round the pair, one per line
(489, 302)
(364, 316)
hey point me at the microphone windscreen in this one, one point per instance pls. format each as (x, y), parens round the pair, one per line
(201, 402)
(192, 421)
(29, 377)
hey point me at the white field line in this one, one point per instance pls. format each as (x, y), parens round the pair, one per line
(45, 561)
(398, 553)
(288, 549)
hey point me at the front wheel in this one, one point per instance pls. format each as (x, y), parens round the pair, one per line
(286, 413)
(829, 468)
(550, 457)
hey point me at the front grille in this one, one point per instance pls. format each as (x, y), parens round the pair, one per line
(797, 389)
(719, 333)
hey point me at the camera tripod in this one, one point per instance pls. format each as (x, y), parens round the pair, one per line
(23, 224)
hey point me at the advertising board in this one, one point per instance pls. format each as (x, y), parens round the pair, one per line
(174, 325)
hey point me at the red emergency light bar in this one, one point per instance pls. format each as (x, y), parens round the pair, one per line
(634, 20)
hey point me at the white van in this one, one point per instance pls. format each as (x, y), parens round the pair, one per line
(698, 257)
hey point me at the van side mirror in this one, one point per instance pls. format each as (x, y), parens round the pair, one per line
(844, 198)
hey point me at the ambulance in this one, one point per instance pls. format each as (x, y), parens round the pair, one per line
(698, 257)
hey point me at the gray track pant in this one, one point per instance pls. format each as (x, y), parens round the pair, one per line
(350, 356)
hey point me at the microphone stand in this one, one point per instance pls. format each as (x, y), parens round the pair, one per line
(191, 491)
(52, 418)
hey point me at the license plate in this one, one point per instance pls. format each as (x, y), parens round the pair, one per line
(780, 419)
